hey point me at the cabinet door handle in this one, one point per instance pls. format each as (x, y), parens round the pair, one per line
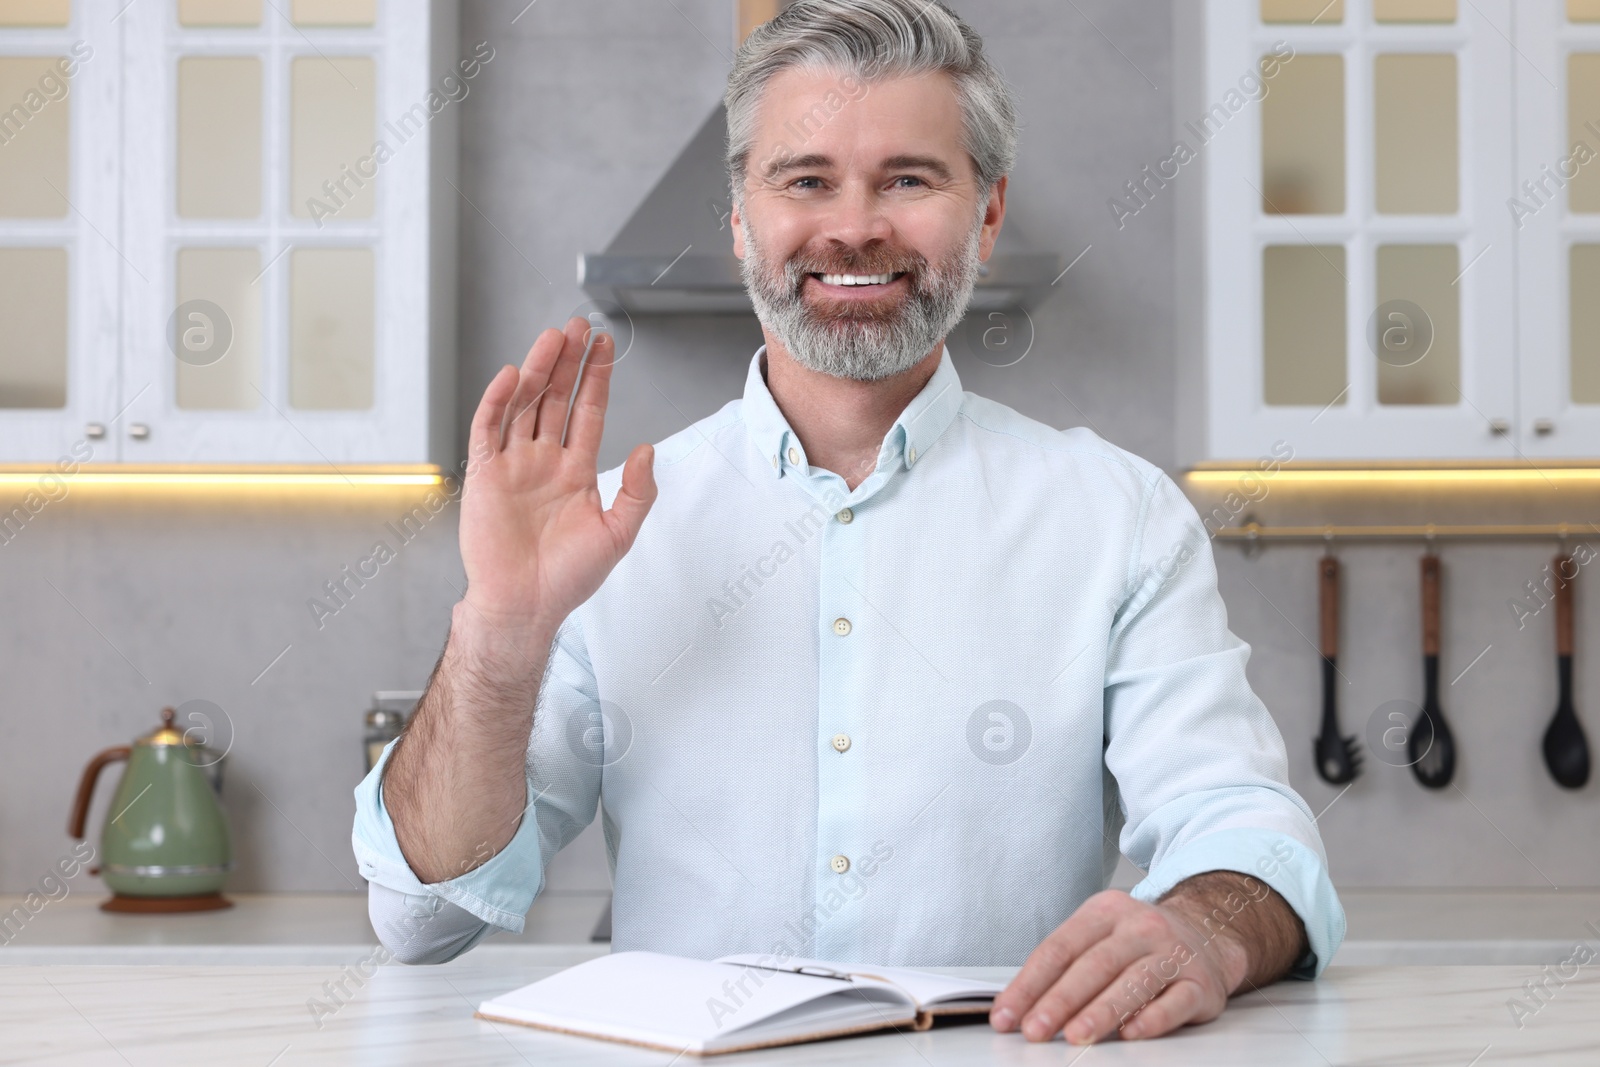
(1500, 427)
(1544, 427)
(138, 431)
(94, 430)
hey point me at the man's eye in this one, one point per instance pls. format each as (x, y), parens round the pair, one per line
(801, 183)
(909, 178)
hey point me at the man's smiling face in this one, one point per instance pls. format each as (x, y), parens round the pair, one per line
(863, 221)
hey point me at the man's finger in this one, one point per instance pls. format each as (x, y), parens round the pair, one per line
(553, 405)
(533, 380)
(1131, 990)
(634, 496)
(484, 437)
(1047, 963)
(594, 389)
(1181, 1002)
(1085, 979)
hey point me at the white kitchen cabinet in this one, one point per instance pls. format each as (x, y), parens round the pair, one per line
(1557, 207)
(60, 120)
(275, 231)
(1353, 281)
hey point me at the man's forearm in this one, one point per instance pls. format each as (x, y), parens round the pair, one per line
(1250, 915)
(455, 784)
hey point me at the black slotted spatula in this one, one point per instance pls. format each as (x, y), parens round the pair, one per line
(1431, 746)
(1338, 759)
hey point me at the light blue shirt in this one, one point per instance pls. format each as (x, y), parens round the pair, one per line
(909, 724)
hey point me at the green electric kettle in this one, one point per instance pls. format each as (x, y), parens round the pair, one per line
(165, 844)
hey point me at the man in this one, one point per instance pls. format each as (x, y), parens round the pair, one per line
(890, 664)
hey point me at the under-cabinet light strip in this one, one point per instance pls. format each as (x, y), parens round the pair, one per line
(1480, 475)
(49, 477)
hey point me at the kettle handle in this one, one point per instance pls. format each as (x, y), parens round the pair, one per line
(91, 773)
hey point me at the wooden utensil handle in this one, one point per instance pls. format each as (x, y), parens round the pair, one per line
(1430, 605)
(1328, 569)
(1562, 567)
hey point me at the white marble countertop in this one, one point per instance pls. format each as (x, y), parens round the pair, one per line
(239, 986)
(262, 1015)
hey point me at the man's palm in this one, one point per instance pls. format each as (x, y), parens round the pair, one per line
(535, 541)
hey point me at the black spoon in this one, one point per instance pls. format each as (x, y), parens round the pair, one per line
(1566, 750)
(1431, 747)
(1338, 758)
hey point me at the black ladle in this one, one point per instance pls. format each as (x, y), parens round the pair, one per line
(1566, 750)
(1338, 758)
(1431, 747)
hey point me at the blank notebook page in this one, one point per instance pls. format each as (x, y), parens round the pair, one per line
(925, 988)
(646, 996)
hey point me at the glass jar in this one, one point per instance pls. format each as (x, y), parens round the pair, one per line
(390, 711)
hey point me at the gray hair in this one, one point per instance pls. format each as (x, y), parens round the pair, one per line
(873, 39)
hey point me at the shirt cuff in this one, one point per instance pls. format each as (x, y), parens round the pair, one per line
(499, 892)
(1282, 862)
(422, 928)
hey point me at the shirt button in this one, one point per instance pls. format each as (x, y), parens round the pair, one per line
(841, 626)
(911, 457)
(841, 742)
(840, 864)
(774, 462)
(794, 455)
(846, 516)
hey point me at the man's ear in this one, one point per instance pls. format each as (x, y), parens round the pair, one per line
(735, 218)
(993, 217)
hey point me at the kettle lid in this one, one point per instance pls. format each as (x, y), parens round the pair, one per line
(167, 733)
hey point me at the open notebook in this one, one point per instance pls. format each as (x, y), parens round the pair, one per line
(734, 1002)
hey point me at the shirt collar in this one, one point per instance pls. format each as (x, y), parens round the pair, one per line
(907, 441)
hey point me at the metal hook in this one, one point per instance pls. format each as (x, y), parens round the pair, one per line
(1252, 528)
(1327, 541)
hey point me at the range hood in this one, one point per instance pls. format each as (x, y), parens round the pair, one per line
(674, 255)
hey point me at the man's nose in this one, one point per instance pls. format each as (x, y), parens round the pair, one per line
(857, 219)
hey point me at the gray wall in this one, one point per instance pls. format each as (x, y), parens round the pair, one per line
(162, 599)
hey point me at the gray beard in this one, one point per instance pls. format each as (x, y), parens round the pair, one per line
(867, 347)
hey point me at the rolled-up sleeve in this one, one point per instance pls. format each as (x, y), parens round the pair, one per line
(1200, 766)
(563, 791)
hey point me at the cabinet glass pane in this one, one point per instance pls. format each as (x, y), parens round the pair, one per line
(1414, 10)
(1303, 324)
(334, 12)
(332, 129)
(1583, 107)
(33, 138)
(35, 12)
(33, 309)
(1422, 362)
(219, 137)
(1318, 11)
(1585, 285)
(1416, 134)
(330, 329)
(218, 324)
(1302, 138)
(1583, 10)
(219, 12)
